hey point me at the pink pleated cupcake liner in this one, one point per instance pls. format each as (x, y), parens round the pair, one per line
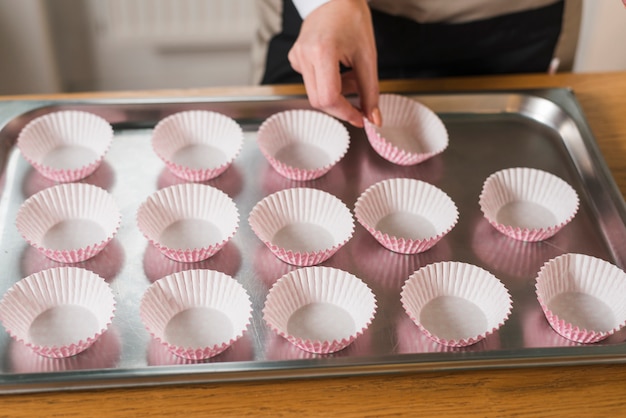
(582, 297)
(188, 222)
(102, 354)
(160, 355)
(197, 145)
(528, 204)
(197, 314)
(302, 226)
(319, 309)
(69, 222)
(456, 304)
(66, 146)
(58, 312)
(537, 332)
(411, 132)
(412, 339)
(402, 202)
(303, 144)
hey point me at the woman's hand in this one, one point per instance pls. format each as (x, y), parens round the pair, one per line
(339, 32)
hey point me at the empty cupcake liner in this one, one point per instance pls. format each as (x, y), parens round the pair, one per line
(65, 146)
(69, 222)
(411, 339)
(456, 304)
(303, 144)
(319, 309)
(188, 222)
(405, 215)
(102, 354)
(527, 204)
(197, 145)
(58, 312)
(197, 314)
(302, 226)
(160, 355)
(582, 297)
(411, 132)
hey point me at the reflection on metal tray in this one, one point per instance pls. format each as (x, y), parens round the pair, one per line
(543, 129)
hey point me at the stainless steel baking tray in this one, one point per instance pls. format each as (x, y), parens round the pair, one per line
(544, 129)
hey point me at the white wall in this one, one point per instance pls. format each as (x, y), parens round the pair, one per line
(602, 42)
(110, 61)
(27, 64)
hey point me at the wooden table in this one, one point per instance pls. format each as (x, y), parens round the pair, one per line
(565, 391)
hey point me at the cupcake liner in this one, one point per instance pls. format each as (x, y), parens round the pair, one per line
(456, 304)
(538, 333)
(277, 348)
(405, 215)
(106, 264)
(65, 146)
(188, 222)
(70, 222)
(410, 340)
(156, 265)
(103, 354)
(319, 309)
(302, 226)
(58, 312)
(582, 297)
(197, 314)
(302, 144)
(197, 145)
(411, 132)
(527, 204)
(160, 355)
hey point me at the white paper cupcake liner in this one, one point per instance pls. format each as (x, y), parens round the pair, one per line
(197, 314)
(411, 340)
(160, 355)
(102, 354)
(456, 304)
(302, 226)
(70, 222)
(527, 204)
(188, 222)
(58, 312)
(197, 145)
(582, 297)
(538, 333)
(319, 309)
(411, 132)
(303, 144)
(65, 146)
(405, 215)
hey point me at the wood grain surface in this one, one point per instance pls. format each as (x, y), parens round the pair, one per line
(567, 391)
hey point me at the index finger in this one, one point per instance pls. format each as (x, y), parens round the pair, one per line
(329, 97)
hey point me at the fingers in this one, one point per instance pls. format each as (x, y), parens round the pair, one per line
(366, 74)
(324, 87)
(328, 94)
(339, 32)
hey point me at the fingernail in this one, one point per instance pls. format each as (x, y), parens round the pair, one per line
(375, 117)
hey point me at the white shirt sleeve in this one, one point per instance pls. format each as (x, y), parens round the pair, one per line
(305, 7)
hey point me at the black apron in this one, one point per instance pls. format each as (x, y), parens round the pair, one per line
(521, 42)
